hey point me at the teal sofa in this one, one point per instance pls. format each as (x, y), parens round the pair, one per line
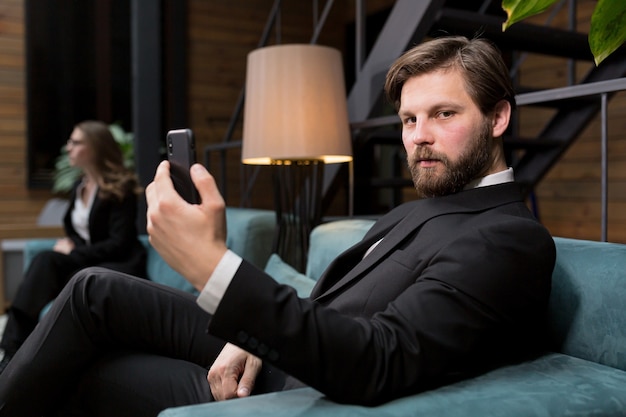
(250, 234)
(583, 374)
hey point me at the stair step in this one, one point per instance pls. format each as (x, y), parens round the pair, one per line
(560, 103)
(519, 37)
(383, 137)
(535, 144)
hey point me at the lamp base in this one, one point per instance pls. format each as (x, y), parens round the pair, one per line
(298, 203)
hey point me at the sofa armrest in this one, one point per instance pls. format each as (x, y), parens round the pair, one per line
(554, 385)
(13, 238)
(34, 238)
(33, 247)
(287, 403)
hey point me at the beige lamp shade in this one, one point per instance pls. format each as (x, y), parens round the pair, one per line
(295, 107)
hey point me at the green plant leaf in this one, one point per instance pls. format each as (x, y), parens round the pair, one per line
(64, 179)
(608, 28)
(64, 175)
(125, 141)
(517, 10)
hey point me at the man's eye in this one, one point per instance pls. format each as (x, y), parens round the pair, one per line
(409, 120)
(445, 114)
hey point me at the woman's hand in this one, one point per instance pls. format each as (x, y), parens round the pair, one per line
(191, 238)
(233, 373)
(64, 246)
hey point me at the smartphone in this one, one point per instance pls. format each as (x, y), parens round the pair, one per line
(181, 152)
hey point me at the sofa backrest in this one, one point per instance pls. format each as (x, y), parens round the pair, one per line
(159, 271)
(587, 315)
(587, 311)
(250, 233)
(328, 240)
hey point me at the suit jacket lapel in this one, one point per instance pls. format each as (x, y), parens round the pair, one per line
(94, 214)
(390, 240)
(345, 262)
(473, 200)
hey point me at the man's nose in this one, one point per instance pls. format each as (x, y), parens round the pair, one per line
(421, 133)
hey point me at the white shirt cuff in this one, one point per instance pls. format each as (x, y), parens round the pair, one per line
(213, 292)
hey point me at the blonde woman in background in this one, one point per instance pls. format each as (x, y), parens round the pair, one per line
(100, 227)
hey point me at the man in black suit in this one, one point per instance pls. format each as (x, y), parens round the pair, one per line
(440, 289)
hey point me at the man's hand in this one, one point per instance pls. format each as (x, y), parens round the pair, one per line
(191, 238)
(233, 373)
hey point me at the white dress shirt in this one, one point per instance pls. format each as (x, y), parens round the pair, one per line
(80, 212)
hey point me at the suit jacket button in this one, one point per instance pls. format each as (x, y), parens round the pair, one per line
(242, 337)
(263, 349)
(272, 355)
(253, 343)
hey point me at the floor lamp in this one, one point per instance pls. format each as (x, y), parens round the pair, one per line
(296, 120)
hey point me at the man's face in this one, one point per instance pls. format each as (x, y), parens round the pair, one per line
(448, 140)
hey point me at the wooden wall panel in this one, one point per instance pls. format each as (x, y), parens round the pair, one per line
(18, 205)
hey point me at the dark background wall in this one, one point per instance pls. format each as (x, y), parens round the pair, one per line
(218, 36)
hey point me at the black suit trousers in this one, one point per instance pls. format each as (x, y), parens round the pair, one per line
(114, 345)
(44, 279)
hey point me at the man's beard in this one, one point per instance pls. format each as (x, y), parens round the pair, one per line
(456, 175)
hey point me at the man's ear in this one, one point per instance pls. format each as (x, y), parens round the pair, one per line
(501, 117)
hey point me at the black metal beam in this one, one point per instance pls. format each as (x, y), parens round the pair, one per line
(567, 124)
(408, 22)
(519, 37)
(146, 90)
(175, 64)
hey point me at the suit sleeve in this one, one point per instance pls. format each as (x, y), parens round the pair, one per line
(474, 304)
(113, 232)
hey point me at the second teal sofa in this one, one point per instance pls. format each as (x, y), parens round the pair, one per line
(250, 233)
(583, 374)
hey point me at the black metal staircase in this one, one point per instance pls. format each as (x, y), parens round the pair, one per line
(375, 127)
(409, 23)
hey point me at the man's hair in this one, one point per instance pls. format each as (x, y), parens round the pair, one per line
(486, 76)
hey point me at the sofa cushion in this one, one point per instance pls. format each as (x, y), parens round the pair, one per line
(588, 301)
(250, 233)
(550, 386)
(328, 240)
(159, 271)
(283, 273)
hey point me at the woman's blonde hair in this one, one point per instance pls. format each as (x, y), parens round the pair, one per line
(114, 179)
